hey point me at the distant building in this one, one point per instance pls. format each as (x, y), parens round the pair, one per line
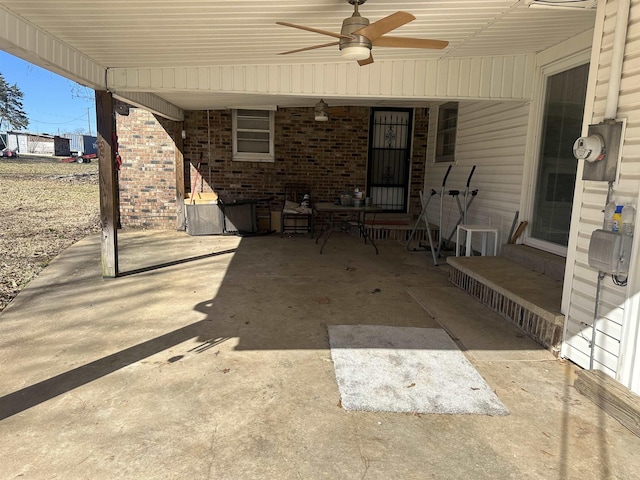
(38, 143)
(44, 144)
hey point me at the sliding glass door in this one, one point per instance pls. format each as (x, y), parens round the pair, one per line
(556, 173)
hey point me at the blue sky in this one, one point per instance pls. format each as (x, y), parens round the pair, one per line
(53, 103)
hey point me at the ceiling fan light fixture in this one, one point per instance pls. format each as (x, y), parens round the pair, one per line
(355, 53)
(358, 36)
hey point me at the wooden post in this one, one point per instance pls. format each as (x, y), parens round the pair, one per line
(109, 204)
(181, 219)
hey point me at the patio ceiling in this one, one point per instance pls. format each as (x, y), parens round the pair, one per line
(186, 34)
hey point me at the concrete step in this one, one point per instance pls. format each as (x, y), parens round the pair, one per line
(536, 260)
(395, 226)
(530, 300)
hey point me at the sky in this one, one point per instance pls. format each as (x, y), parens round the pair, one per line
(54, 104)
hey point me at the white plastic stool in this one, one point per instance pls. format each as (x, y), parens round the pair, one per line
(470, 230)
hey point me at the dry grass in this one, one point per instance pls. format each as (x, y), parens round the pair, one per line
(45, 206)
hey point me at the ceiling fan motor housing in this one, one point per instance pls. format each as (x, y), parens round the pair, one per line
(350, 25)
(357, 35)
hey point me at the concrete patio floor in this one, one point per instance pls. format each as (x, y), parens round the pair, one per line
(209, 359)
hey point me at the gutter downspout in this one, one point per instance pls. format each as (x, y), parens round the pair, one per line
(617, 59)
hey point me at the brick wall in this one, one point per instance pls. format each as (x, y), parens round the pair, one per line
(329, 156)
(418, 159)
(147, 180)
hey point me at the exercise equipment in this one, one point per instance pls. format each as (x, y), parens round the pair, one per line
(463, 208)
(435, 252)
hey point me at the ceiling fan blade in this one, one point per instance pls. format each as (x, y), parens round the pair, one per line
(366, 61)
(385, 25)
(331, 44)
(315, 30)
(409, 42)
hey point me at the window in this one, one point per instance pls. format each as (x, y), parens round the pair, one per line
(253, 135)
(446, 134)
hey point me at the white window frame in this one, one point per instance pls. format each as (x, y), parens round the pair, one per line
(240, 156)
(441, 131)
(537, 112)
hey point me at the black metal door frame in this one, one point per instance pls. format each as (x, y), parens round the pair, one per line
(388, 165)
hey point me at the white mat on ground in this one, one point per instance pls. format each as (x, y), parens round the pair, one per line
(407, 369)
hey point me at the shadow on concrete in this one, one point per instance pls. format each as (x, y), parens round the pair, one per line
(174, 263)
(281, 299)
(33, 395)
(268, 294)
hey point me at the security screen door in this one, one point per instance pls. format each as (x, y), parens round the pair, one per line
(389, 156)
(561, 126)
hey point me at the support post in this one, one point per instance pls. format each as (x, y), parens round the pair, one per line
(181, 219)
(109, 203)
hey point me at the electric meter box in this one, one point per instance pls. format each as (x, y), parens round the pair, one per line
(605, 170)
(605, 249)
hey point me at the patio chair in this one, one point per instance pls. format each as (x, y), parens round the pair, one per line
(297, 210)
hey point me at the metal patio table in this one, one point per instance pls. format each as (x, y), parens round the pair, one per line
(360, 212)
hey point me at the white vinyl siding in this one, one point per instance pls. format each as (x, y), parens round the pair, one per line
(579, 315)
(492, 136)
(490, 78)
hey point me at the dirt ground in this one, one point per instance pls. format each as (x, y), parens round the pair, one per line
(46, 205)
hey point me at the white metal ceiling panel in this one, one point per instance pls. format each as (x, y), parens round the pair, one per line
(181, 39)
(146, 33)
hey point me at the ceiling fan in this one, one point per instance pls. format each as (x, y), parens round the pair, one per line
(358, 36)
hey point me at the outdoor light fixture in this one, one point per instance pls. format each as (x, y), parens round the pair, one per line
(321, 111)
(121, 108)
(355, 53)
(183, 134)
(562, 4)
